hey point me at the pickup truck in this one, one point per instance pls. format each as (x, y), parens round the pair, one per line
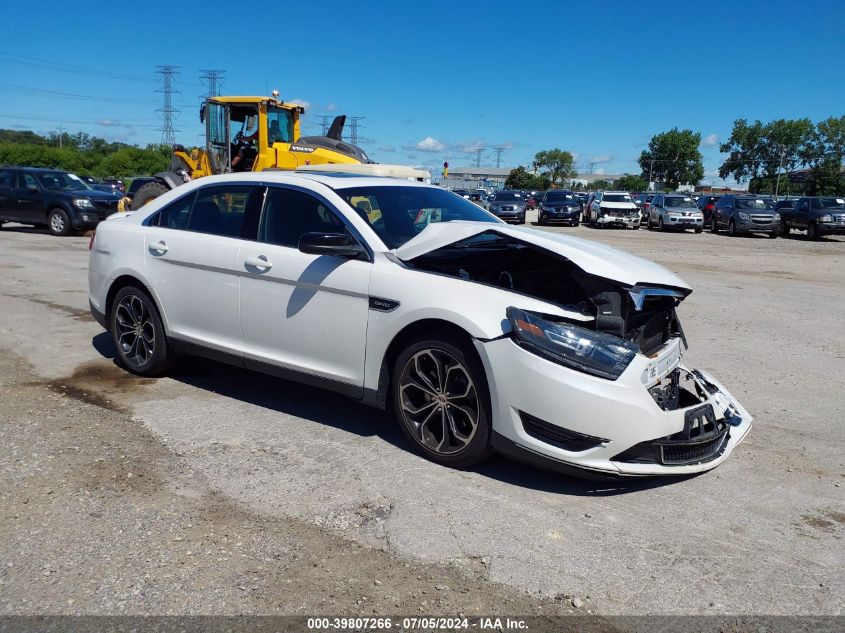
(818, 215)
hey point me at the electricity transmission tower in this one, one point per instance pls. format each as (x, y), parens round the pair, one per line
(353, 132)
(167, 111)
(324, 123)
(478, 156)
(499, 151)
(214, 79)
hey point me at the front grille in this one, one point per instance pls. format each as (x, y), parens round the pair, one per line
(761, 219)
(681, 454)
(702, 439)
(558, 436)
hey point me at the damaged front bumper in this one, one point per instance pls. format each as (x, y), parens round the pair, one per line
(628, 221)
(570, 421)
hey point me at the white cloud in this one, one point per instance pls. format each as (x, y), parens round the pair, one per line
(108, 122)
(301, 102)
(429, 144)
(467, 146)
(331, 107)
(604, 158)
(710, 140)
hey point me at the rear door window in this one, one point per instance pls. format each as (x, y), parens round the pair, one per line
(223, 211)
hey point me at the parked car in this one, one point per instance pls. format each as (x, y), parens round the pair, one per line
(480, 199)
(115, 183)
(612, 208)
(818, 215)
(560, 205)
(643, 201)
(706, 203)
(58, 200)
(745, 214)
(480, 336)
(508, 205)
(463, 193)
(674, 211)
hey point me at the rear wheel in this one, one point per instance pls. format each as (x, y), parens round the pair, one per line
(441, 398)
(145, 193)
(138, 333)
(58, 222)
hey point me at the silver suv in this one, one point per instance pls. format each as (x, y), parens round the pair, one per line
(674, 211)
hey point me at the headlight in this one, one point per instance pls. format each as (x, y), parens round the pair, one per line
(776, 217)
(825, 218)
(744, 216)
(83, 203)
(575, 347)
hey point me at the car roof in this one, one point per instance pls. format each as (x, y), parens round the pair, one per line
(333, 180)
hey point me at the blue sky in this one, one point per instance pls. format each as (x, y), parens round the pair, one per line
(437, 79)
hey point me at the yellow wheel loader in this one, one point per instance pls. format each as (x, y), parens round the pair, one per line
(258, 133)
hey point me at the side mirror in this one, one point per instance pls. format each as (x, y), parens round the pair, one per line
(32, 187)
(337, 244)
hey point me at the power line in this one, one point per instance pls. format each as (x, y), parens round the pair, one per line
(67, 68)
(167, 111)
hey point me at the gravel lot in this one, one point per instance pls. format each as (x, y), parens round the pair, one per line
(249, 494)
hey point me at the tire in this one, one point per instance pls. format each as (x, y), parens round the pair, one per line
(813, 231)
(521, 220)
(773, 235)
(576, 223)
(58, 222)
(785, 229)
(732, 228)
(660, 225)
(136, 327)
(699, 229)
(145, 193)
(714, 227)
(463, 442)
(542, 219)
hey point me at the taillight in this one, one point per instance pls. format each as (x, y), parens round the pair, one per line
(709, 207)
(91, 241)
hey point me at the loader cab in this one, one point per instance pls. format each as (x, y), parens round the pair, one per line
(241, 131)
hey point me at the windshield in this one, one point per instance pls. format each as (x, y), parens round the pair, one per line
(753, 203)
(507, 195)
(559, 196)
(60, 180)
(398, 214)
(616, 197)
(833, 202)
(279, 125)
(680, 203)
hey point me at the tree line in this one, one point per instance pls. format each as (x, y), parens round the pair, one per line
(761, 153)
(81, 153)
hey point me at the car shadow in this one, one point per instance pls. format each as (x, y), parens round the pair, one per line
(330, 409)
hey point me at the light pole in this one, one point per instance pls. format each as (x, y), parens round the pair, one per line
(780, 164)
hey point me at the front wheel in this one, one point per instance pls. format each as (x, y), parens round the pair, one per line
(812, 231)
(146, 193)
(542, 219)
(58, 222)
(714, 227)
(660, 225)
(441, 398)
(784, 229)
(138, 333)
(699, 229)
(732, 228)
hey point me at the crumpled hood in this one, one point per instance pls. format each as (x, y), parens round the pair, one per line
(592, 257)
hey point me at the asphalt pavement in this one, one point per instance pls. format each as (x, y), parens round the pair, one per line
(761, 534)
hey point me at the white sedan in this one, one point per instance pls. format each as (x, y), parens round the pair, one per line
(480, 336)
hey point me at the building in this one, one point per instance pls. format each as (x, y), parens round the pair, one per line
(475, 177)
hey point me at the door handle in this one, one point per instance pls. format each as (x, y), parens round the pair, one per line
(159, 248)
(259, 261)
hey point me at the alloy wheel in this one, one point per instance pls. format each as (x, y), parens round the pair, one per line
(135, 330)
(439, 401)
(57, 223)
